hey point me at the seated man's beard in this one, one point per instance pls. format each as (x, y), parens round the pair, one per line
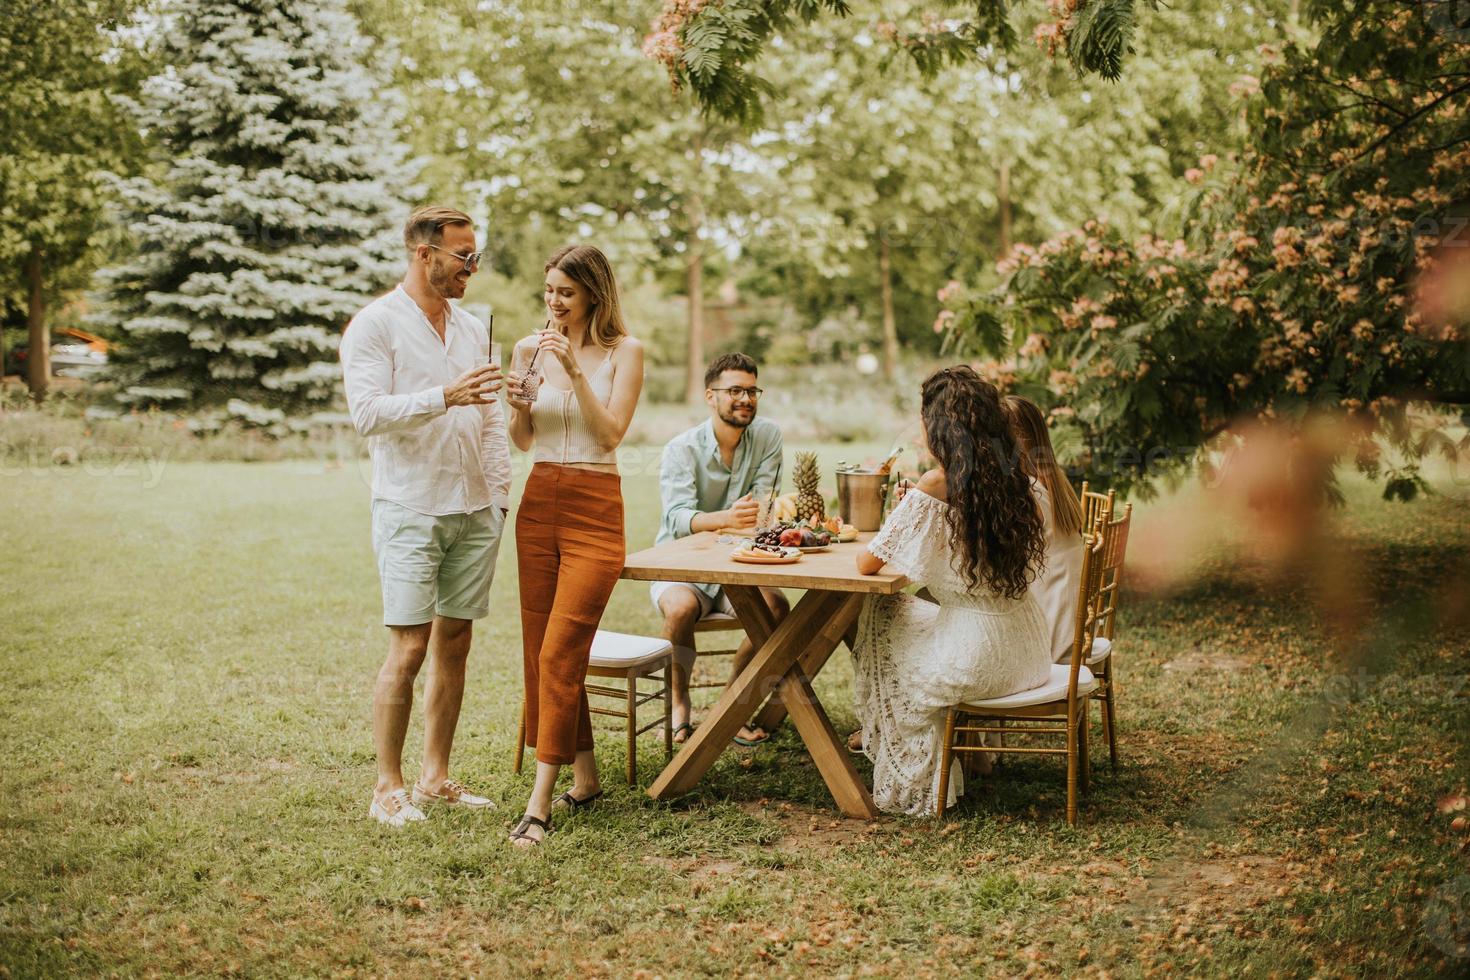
(730, 418)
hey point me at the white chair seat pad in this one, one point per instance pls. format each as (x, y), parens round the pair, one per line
(1102, 648)
(1055, 689)
(624, 650)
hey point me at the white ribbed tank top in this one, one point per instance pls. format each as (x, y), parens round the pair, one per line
(561, 433)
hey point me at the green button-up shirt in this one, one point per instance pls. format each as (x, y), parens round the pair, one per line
(693, 479)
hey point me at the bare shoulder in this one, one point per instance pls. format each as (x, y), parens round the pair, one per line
(627, 357)
(932, 483)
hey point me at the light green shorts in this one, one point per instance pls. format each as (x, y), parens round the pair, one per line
(435, 565)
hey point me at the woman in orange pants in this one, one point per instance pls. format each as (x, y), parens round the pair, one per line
(571, 406)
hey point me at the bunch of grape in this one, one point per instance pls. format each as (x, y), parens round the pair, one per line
(769, 536)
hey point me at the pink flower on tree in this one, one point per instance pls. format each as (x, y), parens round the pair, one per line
(1034, 346)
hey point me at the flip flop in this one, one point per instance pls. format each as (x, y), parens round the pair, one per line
(686, 727)
(750, 743)
(572, 804)
(527, 822)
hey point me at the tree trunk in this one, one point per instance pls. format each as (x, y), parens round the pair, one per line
(38, 358)
(890, 324)
(1003, 198)
(694, 282)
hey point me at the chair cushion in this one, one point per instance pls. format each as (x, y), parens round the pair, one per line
(619, 650)
(1055, 689)
(1102, 647)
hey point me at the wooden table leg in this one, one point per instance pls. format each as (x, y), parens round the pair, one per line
(751, 609)
(833, 760)
(808, 635)
(811, 663)
(745, 693)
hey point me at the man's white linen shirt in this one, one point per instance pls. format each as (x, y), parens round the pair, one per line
(426, 458)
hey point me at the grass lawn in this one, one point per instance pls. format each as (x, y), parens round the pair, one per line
(188, 655)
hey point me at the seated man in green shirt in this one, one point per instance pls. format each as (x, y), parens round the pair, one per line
(709, 478)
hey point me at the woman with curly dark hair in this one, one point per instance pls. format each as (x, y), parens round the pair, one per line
(972, 532)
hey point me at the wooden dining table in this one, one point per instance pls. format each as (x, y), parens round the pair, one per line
(777, 680)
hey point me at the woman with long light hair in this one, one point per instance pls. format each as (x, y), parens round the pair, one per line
(1056, 587)
(571, 414)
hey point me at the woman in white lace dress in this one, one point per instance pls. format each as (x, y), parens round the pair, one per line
(971, 531)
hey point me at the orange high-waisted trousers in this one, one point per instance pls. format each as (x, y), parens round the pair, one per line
(570, 551)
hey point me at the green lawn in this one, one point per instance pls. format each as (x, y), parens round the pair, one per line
(188, 654)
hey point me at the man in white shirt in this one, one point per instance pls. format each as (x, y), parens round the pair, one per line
(420, 388)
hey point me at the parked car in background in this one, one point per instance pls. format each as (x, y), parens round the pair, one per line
(74, 354)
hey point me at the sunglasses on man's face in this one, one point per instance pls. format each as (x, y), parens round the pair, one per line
(471, 261)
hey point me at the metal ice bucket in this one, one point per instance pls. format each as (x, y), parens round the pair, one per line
(861, 495)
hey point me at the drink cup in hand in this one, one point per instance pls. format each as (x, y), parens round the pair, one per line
(527, 377)
(474, 387)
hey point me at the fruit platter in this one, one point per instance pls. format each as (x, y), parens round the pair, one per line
(808, 536)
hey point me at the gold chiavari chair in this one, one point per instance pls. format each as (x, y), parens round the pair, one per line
(1095, 505)
(1115, 549)
(1058, 707)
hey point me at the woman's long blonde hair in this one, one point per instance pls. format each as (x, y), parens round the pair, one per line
(589, 268)
(1040, 462)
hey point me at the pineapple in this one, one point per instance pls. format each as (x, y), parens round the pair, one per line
(809, 501)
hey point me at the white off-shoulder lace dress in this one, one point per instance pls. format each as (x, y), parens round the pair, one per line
(914, 659)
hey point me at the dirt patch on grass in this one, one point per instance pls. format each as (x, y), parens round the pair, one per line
(803, 827)
(698, 869)
(803, 830)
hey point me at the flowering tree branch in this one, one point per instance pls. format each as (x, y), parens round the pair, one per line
(709, 46)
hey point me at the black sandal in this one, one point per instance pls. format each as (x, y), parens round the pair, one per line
(573, 804)
(686, 727)
(527, 822)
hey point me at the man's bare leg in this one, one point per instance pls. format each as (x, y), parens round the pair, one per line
(681, 609)
(443, 695)
(393, 702)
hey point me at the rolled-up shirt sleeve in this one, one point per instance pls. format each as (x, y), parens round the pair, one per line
(677, 491)
(495, 454)
(367, 376)
(769, 467)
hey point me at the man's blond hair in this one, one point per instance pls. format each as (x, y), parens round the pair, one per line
(426, 225)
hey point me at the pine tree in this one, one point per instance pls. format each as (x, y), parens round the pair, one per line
(274, 220)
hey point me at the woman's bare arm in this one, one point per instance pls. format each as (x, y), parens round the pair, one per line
(609, 423)
(518, 424)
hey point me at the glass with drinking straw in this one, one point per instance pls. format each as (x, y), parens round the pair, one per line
(524, 366)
